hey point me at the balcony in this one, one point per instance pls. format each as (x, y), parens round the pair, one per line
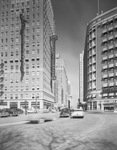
(93, 36)
(104, 49)
(110, 28)
(93, 61)
(111, 65)
(104, 31)
(93, 44)
(104, 40)
(110, 37)
(93, 52)
(105, 76)
(105, 84)
(115, 35)
(104, 58)
(111, 46)
(111, 55)
(115, 54)
(105, 94)
(111, 74)
(111, 94)
(105, 67)
(115, 26)
(115, 44)
(115, 73)
(111, 84)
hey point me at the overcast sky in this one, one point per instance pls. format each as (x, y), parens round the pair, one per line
(71, 18)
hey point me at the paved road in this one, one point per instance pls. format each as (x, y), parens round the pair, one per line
(94, 132)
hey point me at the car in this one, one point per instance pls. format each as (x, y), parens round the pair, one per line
(115, 111)
(77, 113)
(65, 112)
(31, 111)
(4, 114)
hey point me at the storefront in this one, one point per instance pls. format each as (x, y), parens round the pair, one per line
(109, 106)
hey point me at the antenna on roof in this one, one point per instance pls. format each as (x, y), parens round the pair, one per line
(98, 7)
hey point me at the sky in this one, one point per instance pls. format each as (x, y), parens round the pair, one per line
(72, 17)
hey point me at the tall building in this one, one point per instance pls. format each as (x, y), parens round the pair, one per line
(81, 77)
(100, 62)
(61, 97)
(27, 53)
(69, 89)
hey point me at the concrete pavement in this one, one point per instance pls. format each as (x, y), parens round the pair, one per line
(34, 118)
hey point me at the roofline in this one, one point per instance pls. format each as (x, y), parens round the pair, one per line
(102, 14)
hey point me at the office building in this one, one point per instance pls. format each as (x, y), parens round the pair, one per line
(100, 62)
(61, 97)
(27, 53)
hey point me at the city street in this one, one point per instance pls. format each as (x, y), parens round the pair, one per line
(97, 131)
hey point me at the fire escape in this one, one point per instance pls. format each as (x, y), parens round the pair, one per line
(1, 79)
(22, 33)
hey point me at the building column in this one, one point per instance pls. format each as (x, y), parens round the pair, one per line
(92, 105)
(98, 105)
(18, 104)
(102, 106)
(8, 104)
(29, 104)
(41, 104)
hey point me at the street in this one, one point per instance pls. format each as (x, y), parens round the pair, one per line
(97, 131)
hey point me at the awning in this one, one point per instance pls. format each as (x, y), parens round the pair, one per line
(109, 105)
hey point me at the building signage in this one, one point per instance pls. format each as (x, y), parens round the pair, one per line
(52, 46)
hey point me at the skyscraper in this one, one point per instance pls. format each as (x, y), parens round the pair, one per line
(100, 62)
(27, 50)
(61, 82)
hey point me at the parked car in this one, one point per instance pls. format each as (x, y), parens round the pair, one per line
(3, 113)
(79, 113)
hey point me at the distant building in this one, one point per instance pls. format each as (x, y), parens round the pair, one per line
(81, 86)
(61, 97)
(69, 93)
(100, 62)
(27, 53)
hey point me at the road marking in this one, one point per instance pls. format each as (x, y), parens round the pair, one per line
(83, 136)
(93, 129)
(9, 124)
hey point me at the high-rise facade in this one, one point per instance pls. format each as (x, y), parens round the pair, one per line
(100, 62)
(27, 53)
(61, 83)
(81, 77)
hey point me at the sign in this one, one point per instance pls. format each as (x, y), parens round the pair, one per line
(52, 46)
